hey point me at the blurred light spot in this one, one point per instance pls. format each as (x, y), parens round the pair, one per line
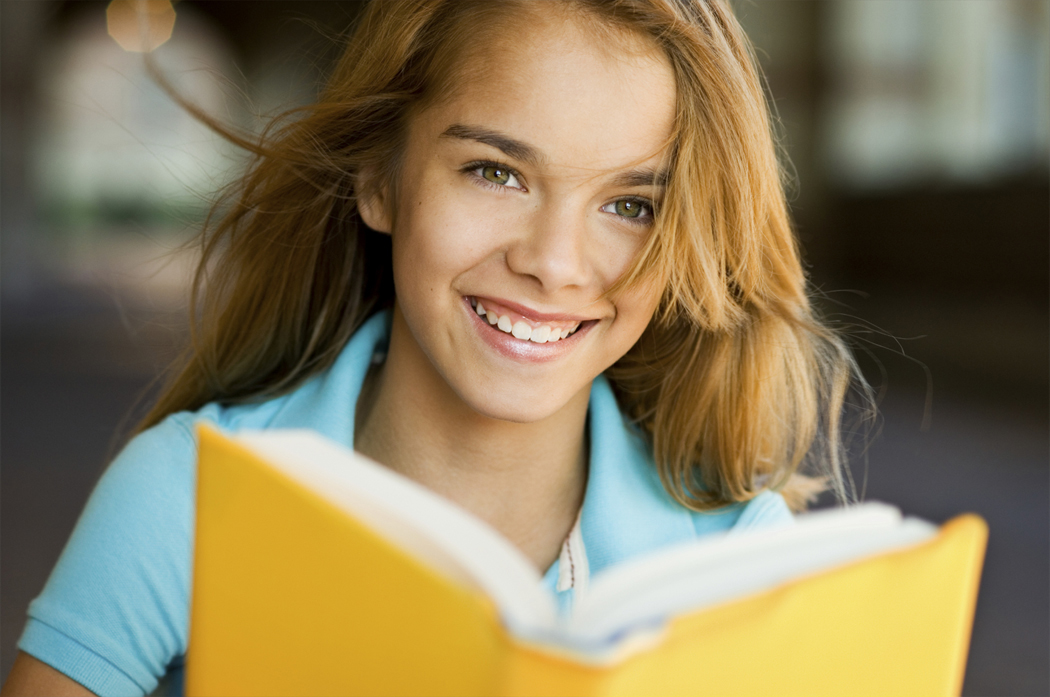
(140, 25)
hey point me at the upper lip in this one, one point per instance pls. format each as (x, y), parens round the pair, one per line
(533, 314)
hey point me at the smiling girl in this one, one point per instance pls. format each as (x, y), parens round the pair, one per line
(535, 256)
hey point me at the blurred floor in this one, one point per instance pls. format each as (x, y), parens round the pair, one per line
(73, 366)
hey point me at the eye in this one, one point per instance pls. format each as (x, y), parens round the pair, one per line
(635, 209)
(495, 174)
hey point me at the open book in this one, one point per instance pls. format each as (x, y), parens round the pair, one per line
(318, 571)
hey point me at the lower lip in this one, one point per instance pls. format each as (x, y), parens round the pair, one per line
(527, 351)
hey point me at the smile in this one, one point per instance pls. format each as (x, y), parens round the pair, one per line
(519, 326)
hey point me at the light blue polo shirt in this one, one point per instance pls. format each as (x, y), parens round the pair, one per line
(114, 613)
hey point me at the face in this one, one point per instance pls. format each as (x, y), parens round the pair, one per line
(523, 198)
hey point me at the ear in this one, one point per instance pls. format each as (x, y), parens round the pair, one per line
(373, 204)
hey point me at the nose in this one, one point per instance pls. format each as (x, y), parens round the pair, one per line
(552, 248)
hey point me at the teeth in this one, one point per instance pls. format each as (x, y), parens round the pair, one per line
(523, 330)
(540, 334)
(520, 330)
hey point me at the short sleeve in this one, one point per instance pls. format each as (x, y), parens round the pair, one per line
(115, 610)
(768, 509)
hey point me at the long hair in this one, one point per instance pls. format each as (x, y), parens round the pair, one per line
(736, 384)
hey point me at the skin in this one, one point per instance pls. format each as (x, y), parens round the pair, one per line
(32, 678)
(502, 437)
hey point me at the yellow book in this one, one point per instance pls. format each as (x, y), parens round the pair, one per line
(318, 572)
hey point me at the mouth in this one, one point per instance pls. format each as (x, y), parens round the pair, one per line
(531, 327)
(522, 334)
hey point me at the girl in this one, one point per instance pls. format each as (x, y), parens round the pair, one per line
(533, 255)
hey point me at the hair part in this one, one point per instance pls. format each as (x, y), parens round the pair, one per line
(736, 384)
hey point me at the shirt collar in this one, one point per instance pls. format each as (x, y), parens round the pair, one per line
(626, 510)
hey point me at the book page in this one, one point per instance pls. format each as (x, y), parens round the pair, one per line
(436, 531)
(642, 593)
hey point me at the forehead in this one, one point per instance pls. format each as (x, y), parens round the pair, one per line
(586, 97)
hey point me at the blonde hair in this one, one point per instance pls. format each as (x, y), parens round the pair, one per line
(736, 384)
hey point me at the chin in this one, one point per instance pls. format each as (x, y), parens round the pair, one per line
(506, 405)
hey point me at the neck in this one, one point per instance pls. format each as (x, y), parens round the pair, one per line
(525, 479)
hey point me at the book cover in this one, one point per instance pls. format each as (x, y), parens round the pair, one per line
(295, 595)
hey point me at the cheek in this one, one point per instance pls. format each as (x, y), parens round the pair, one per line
(635, 307)
(614, 249)
(437, 238)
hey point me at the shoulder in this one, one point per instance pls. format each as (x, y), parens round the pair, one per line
(324, 403)
(765, 510)
(149, 485)
(627, 510)
(159, 451)
(618, 446)
(768, 509)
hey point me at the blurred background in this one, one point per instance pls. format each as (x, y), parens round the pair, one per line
(917, 134)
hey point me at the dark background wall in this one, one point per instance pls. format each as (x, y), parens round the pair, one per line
(938, 270)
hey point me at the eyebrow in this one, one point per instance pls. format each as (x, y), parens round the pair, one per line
(641, 177)
(510, 147)
(526, 153)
